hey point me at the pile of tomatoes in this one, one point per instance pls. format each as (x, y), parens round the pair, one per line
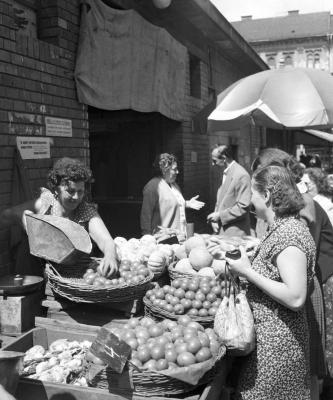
(168, 344)
(129, 273)
(197, 297)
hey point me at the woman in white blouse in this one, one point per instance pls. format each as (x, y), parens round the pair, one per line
(318, 187)
(163, 203)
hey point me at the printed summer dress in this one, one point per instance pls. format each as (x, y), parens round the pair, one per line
(81, 215)
(278, 369)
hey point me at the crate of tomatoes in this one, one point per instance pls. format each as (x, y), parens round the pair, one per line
(167, 358)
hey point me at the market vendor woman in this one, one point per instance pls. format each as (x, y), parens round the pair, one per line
(66, 197)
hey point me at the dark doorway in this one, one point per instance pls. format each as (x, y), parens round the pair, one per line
(123, 145)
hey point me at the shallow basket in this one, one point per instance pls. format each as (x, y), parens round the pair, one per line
(151, 383)
(72, 286)
(158, 314)
(178, 275)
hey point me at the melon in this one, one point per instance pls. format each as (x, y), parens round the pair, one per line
(218, 267)
(207, 271)
(194, 242)
(184, 266)
(200, 258)
(180, 252)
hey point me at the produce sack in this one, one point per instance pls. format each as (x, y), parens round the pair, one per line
(234, 321)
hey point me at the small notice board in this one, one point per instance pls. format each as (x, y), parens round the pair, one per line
(32, 147)
(58, 127)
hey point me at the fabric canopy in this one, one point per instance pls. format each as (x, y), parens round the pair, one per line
(125, 62)
(320, 134)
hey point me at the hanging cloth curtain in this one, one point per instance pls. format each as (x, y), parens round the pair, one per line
(124, 62)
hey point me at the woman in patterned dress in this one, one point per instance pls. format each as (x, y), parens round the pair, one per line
(281, 269)
(66, 197)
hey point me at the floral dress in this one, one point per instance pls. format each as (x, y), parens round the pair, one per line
(278, 369)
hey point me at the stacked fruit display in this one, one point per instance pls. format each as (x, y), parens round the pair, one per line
(197, 297)
(168, 344)
(204, 255)
(129, 273)
(145, 250)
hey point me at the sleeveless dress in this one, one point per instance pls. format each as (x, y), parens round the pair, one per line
(278, 369)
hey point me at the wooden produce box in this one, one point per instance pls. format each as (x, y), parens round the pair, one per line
(47, 331)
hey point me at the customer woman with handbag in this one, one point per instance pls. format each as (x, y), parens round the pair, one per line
(282, 268)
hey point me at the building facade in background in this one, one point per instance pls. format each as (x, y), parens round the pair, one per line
(295, 40)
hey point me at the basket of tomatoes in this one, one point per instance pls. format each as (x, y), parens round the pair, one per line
(198, 298)
(88, 285)
(167, 358)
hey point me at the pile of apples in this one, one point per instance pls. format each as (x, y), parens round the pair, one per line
(129, 273)
(168, 344)
(197, 297)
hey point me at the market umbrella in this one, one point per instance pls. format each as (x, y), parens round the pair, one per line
(292, 98)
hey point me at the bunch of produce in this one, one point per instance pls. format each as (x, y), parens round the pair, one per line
(197, 297)
(129, 273)
(145, 250)
(204, 255)
(63, 362)
(168, 344)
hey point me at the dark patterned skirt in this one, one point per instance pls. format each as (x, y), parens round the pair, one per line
(328, 302)
(316, 323)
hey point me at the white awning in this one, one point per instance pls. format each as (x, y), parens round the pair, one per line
(320, 134)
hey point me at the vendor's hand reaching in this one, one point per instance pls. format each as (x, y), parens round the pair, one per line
(194, 203)
(240, 266)
(108, 266)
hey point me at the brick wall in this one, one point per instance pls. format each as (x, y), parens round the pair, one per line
(36, 80)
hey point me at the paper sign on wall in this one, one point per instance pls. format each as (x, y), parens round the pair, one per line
(32, 147)
(58, 127)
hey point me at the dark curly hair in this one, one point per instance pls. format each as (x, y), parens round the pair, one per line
(286, 200)
(319, 178)
(68, 169)
(163, 162)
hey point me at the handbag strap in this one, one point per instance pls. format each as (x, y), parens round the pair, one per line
(232, 281)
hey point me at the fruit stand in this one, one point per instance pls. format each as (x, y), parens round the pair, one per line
(167, 346)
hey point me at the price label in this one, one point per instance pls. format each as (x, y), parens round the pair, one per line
(110, 349)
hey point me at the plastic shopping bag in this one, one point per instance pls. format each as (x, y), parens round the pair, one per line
(234, 321)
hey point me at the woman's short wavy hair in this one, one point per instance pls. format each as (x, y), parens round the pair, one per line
(163, 162)
(319, 178)
(286, 200)
(68, 169)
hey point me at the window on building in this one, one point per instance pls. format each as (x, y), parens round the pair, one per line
(271, 62)
(309, 60)
(195, 77)
(288, 61)
(316, 62)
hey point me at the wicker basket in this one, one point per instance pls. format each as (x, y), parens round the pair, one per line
(178, 275)
(73, 287)
(150, 383)
(158, 314)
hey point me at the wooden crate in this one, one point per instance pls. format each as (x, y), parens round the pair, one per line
(46, 332)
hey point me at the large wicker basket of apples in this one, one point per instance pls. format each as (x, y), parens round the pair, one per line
(170, 357)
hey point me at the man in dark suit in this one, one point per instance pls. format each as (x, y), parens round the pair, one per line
(231, 214)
